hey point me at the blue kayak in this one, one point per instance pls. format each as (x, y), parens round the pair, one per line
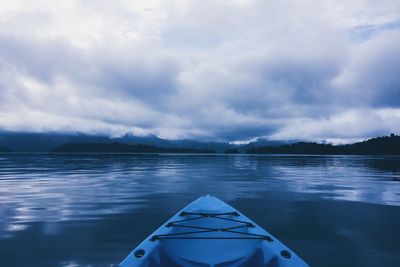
(210, 233)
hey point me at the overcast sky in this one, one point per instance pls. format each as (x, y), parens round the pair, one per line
(208, 70)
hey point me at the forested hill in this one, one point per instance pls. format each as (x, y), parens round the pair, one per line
(81, 143)
(45, 142)
(122, 148)
(387, 145)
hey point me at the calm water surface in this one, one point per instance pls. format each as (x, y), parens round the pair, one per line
(91, 210)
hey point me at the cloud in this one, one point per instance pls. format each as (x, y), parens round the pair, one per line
(342, 127)
(216, 70)
(372, 76)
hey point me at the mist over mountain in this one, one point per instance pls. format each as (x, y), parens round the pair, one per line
(124, 148)
(45, 142)
(78, 142)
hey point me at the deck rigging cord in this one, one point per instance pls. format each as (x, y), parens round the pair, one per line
(219, 216)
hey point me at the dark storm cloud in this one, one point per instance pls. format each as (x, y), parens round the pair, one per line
(224, 71)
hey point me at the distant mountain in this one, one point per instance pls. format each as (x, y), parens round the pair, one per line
(153, 140)
(45, 142)
(217, 146)
(122, 148)
(4, 149)
(156, 141)
(386, 145)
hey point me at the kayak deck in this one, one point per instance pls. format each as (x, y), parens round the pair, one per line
(210, 233)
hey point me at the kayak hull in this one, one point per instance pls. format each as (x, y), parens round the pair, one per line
(209, 232)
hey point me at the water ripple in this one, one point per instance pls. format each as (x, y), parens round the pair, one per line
(52, 190)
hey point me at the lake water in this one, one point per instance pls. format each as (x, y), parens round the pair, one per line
(92, 210)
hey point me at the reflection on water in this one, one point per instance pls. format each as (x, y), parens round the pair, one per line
(91, 210)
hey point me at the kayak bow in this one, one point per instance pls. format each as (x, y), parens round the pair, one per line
(210, 233)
